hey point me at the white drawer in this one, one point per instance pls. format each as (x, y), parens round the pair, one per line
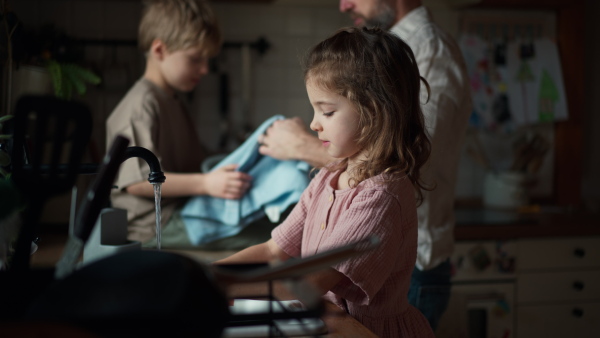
(558, 286)
(558, 321)
(577, 252)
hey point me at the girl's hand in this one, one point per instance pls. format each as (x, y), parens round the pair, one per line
(227, 183)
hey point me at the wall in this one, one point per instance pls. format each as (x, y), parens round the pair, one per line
(591, 165)
(276, 85)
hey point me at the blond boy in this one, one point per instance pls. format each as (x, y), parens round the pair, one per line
(178, 37)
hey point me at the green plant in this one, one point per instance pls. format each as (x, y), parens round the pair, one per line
(67, 77)
(51, 48)
(46, 46)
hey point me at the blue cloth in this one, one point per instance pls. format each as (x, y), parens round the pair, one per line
(430, 291)
(275, 184)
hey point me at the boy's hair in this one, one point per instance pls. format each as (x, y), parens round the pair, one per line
(378, 73)
(179, 24)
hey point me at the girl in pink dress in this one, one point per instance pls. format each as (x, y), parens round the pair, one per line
(364, 87)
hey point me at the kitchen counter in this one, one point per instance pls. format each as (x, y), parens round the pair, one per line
(481, 224)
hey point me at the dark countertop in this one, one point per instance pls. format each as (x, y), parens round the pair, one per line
(481, 224)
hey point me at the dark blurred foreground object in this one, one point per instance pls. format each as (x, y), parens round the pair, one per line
(137, 293)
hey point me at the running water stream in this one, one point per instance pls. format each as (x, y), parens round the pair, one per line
(157, 197)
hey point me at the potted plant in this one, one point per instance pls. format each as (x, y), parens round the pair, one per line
(47, 49)
(51, 49)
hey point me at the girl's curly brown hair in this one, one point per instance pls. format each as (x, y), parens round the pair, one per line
(376, 71)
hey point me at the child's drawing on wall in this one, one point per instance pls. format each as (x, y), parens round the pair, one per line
(514, 83)
(486, 64)
(536, 87)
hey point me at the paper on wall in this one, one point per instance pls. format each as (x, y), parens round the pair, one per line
(514, 84)
(536, 88)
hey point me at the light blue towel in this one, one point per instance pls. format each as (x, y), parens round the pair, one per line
(275, 186)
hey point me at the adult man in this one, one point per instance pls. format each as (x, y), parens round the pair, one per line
(446, 113)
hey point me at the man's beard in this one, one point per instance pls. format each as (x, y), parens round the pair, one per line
(386, 17)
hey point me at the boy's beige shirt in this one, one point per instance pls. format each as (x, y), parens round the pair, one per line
(152, 119)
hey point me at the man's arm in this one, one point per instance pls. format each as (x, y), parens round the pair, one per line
(289, 139)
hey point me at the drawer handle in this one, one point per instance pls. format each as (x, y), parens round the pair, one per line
(578, 313)
(579, 252)
(578, 286)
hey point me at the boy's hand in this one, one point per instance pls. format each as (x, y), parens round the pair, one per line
(227, 183)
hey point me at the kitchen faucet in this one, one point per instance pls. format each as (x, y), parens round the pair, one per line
(98, 196)
(156, 175)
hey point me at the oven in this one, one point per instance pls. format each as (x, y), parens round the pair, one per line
(482, 300)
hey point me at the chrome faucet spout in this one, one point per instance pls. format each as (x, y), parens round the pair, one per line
(156, 175)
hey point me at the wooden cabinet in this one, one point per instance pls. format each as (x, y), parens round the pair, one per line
(558, 287)
(558, 320)
(525, 288)
(559, 253)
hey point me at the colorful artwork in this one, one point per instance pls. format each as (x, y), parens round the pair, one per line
(486, 64)
(514, 83)
(541, 96)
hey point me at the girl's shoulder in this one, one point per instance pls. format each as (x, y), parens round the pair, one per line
(387, 184)
(386, 181)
